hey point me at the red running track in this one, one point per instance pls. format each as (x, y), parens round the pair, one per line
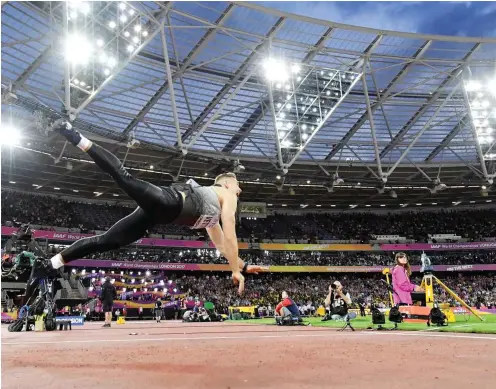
(227, 355)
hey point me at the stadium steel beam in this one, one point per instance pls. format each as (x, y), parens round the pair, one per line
(259, 112)
(371, 118)
(399, 136)
(32, 68)
(218, 111)
(446, 141)
(388, 91)
(419, 134)
(172, 94)
(472, 168)
(220, 95)
(123, 64)
(478, 148)
(202, 43)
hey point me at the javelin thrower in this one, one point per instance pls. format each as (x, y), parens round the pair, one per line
(191, 205)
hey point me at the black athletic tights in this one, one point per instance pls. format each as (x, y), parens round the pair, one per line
(155, 205)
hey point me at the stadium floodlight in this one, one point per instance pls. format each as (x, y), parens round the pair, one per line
(9, 135)
(473, 86)
(481, 99)
(78, 50)
(275, 70)
(302, 98)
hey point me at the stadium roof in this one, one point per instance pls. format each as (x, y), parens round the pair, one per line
(411, 113)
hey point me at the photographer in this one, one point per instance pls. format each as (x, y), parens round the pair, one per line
(402, 286)
(337, 302)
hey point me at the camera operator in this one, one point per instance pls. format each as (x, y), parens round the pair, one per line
(402, 286)
(158, 310)
(337, 302)
(107, 296)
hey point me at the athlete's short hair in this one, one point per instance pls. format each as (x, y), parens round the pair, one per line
(223, 176)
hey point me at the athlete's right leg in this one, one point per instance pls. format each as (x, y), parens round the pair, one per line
(147, 195)
(122, 233)
(125, 231)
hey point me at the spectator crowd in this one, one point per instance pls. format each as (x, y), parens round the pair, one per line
(306, 290)
(469, 224)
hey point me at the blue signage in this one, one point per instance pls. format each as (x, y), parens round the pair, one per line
(75, 320)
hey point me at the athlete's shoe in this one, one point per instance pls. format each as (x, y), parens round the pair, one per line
(65, 128)
(42, 268)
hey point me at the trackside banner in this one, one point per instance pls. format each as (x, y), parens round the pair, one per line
(194, 244)
(105, 264)
(75, 320)
(71, 236)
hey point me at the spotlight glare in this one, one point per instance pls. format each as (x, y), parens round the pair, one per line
(83, 83)
(295, 68)
(126, 34)
(304, 136)
(135, 39)
(123, 18)
(303, 126)
(137, 28)
(9, 136)
(131, 12)
(76, 81)
(77, 49)
(122, 6)
(112, 24)
(85, 8)
(145, 33)
(275, 70)
(278, 177)
(99, 42)
(73, 15)
(106, 72)
(112, 62)
(130, 48)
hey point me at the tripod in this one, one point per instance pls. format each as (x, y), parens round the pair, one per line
(428, 285)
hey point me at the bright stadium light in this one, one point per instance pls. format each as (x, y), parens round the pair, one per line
(77, 49)
(9, 135)
(275, 70)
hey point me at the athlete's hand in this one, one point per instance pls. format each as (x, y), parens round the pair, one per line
(238, 279)
(255, 269)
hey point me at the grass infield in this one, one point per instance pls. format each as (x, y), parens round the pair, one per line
(464, 324)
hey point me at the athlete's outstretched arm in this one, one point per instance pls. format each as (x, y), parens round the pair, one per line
(228, 217)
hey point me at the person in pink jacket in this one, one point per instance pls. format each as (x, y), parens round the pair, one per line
(401, 281)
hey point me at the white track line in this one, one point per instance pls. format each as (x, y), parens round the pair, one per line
(167, 339)
(244, 337)
(450, 327)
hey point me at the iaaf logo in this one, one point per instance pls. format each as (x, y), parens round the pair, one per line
(69, 236)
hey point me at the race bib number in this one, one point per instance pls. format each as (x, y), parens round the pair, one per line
(205, 221)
